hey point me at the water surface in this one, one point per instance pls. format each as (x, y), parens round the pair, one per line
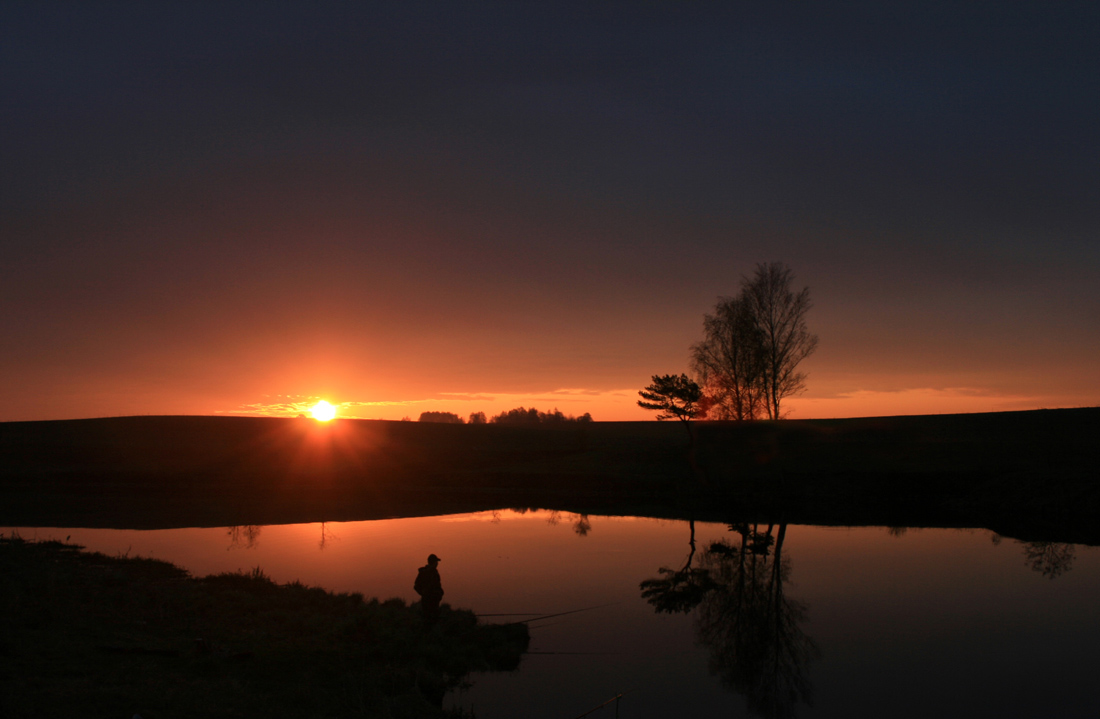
(763, 621)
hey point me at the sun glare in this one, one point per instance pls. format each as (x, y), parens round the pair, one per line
(323, 411)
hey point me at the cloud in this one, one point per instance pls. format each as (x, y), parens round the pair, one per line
(380, 403)
(294, 405)
(611, 405)
(578, 392)
(913, 400)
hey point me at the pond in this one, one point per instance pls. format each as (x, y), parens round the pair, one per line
(754, 621)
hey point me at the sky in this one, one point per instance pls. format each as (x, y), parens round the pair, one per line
(241, 208)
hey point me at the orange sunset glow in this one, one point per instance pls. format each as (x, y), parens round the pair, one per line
(248, 231)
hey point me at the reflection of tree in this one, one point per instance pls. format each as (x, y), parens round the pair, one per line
(679, 591)
(244, 535)
(582, 526)
(757, 645)
(1051, 559)
(752, 629)
(326, 535)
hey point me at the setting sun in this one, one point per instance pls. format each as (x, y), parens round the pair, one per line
(323, 411)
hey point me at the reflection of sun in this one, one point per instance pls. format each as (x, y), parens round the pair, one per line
(323, 411)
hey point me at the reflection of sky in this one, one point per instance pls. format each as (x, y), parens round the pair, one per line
(911, 623)
(204, 206)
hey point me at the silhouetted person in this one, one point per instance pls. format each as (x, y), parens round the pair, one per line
(430, 589)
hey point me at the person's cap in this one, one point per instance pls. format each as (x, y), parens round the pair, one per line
(433, 558)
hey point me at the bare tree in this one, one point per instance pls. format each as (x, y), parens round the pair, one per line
(753, 345)
(730, 361)
(781, 317)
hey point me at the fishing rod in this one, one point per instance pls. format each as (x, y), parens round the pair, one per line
(534, 616)
(562, 614)
(615, 699)
(576, 654)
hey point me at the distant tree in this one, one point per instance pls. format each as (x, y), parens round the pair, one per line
(553, 416)
(674, 397)
(522, 415)
(440, 417)
(477, 418)
(748, 360)
(519, 415)
(557, 416)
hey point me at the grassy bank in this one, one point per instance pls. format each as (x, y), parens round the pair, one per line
(84, 634)
(1036, 471)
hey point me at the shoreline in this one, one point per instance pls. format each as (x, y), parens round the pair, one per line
(94, 635)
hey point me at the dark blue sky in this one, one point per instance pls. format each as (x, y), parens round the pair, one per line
(205, 203)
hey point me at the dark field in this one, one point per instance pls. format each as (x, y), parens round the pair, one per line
(89, 635)
(1028, 474)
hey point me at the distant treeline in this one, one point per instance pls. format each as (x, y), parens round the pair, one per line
(519, 415)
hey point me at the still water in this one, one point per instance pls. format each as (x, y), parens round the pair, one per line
(756, 621)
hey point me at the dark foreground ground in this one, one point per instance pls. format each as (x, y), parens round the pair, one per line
(1032, 475)
(87, 635)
